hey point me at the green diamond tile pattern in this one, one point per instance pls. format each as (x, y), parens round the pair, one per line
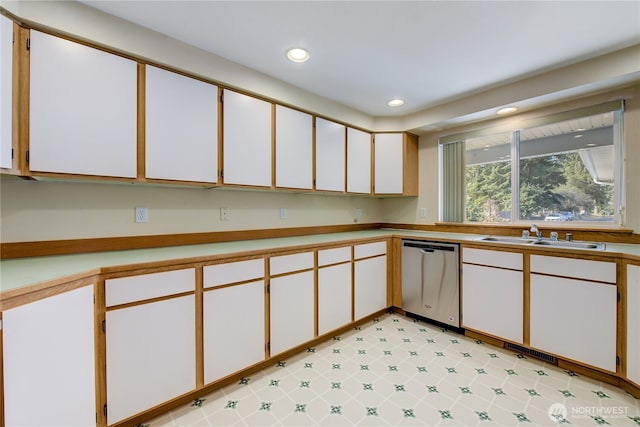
(398, 371)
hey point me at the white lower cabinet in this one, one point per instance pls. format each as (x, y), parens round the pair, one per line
(492, 301)
(370, 279)
(334, 297)
(633, 323)
(575, 319)
(234, 329)
(49, 365)
(492, 293)
(151, 341)
(291, 314)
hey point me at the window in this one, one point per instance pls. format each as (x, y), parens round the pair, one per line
(565, 167)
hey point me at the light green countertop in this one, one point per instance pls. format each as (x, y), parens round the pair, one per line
(17, 273)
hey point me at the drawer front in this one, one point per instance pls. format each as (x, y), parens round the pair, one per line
(289, 263)
(334, 256)
(137, 288)
(512, 260)
(600, 271)
(370, 249)
(232, 272)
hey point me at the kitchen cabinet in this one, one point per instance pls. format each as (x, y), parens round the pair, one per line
(573, 309)
(83, 109)
(246, 140)
(388, 156)
(330, 155)
(633, 323)
(6, 88)
(492, 293)
(49, 362)
(150, 339)
(181, 138)
(233, 307)
(291, 301)
(358, 161)
(334, 288)
(370, 278)
(294, 148)
(395, 164)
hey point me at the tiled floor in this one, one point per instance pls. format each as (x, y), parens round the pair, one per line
(395, 371)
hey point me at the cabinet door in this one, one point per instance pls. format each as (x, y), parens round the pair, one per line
(291, 311)
(633, 323)
(330, 155)
(294, 161)
(370, 284)
(246, 140)
(48, 356)
(358, 161)
(388, 155)
(334, 297)
(6, 101)
(230, 313)
(575, 319)
(150, 355)
(492, 301)
(181, 127)
(83, 105)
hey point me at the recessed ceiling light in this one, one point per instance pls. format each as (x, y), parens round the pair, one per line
(395, 102)
(507, 110)
(578, 136)
(297, 55)
(591, 145)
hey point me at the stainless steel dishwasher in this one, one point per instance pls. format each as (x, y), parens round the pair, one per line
(430, 280)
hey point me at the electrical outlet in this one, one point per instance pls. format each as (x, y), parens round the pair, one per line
(358, 213)
(283, 213)
(224, 214)
(423, 212)
(142, 215)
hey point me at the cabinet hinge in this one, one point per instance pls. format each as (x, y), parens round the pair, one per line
(268, 287)
(617, 360)
(222, 97)
(12, 154)
(0, 324)
(104, 410)
(268, 346)
(27, 156)
(104, 326)
(29, 43)
(618, 296)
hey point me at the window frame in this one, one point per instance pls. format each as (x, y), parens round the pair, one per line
(616, 107)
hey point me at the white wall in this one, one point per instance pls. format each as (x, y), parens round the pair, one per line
(32, 211)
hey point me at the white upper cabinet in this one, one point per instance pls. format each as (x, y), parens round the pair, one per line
(633, 323)
(294, 148)
(83, 105)
(181, 127)
(330, 155)
(6, 78)
(358, 161)
(388, 167)
(246, 140)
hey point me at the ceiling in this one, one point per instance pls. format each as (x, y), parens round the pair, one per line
(364, 53)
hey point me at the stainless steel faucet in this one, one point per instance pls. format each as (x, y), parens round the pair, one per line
(534, 229)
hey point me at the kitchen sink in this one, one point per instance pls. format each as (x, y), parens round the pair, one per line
(545, 242)
(566, 244)
(505, 239)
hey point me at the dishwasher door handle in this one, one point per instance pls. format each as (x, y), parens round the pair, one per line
(427, 251)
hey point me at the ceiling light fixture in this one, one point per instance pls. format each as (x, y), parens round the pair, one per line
(507, 110)
(395, 102)
(578, 136)
(298, 54)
